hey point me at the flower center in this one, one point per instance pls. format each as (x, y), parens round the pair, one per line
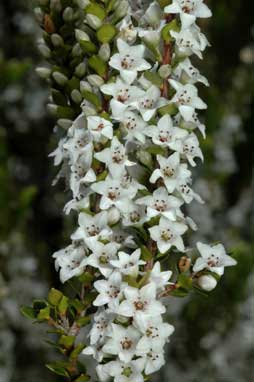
(117, 156)
(113, 193)
(160, 205)
(168, 172)
(93, 230)
(123, 95)
(126, 344)
(148, 103)
(166, 235)
(213, 261)
(127, 62)
(134, 217)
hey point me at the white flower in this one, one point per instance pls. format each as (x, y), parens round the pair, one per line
(161, 203)
(71, 261)
(155, 334)
(81, 172)
(94, 351)
(123, 95)
(185, 72)
(168, 234)
(110, 291)
(159, 278)
(133, 214)
(92, 226)
(127, 31)
(113, 193)
(187, 100)
(189, 10)
(126, 372)
(101, 256)
(153, 361)
(129, 61)
(115, 158)
(59, 154)
(134, 125)
(189, 147)
(149, 102)
(101, 325)
(171, 171)
(214, 258)
(80, 143)
(189, 41)
(141, 303)
(122, 343)
(99, 128)
(128, 264)
(165, 134)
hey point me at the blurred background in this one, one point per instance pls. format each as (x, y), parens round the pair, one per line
(214, 338)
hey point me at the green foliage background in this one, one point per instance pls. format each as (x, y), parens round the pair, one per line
(214, 335)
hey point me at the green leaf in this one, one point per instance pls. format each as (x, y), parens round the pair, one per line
(170, 109)
(164, 3)
(28, 312)
(111, 5)
(96, 10)
(83, 321)
(106, 33)
(185, 281)
(88, 47)
(98, 65)
(156, 150)
(65, 112)
(82, 378)
(172, 26)
(67, 341)
(39, 304)
(78, 349)
(58, 368)
(44, 314)
(179, 293)
(86, 278)
(54, 296)
(58, 97)
(154, 78)
(146, 255)
(92, 98)
(63, 305)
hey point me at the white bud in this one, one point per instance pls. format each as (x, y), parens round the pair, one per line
(85, 86)
(44, 50)
(88, 110)
(39, 14)
(52, 108)
(57, 40)
(76, 50)
(104, 52)
(80, 69)
(82, 3)
(165, 71)
(43, 72)
(55, 5)
(122, 9)
(68, 14)
(95, 80)
(207, 282)
(113, 216)
(93, 21)
(60, 78)
(64, 123)
(76, 96)
(81, 35)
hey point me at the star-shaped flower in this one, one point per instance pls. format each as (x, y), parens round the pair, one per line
(159, 278)
(129, 61)
(92, 226)
(214, 258)
(185, 72)
(71, 261)
(141, 303)
(189, 11)
(134, 126)
(149, 102)
(101, 323)
(122, 343)
(126, 372)
(189, 147)
(161, 203)
(99, 128)
(153, 360)
(101, 256)
(168, 234)
(165, 134)
(189, 41)
(155, 334)
(115, 158)
(123, 96)
(110, 291)
(133, 214)
(127, 263)
(187, 100)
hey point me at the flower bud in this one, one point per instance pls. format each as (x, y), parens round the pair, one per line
(52, 108)
(82, 3)
(57, 40)
(104, 52)
(207, 282)
(39, 14)
(60, 78)
(121, 10)
(113, 216)
(80, 69)
(64, 123)
(85, 86)
(81, 35)
(68, 14)
(88, 110)
(93, 21)
(76, 51)
(44, 50)
(43, 72)
(55, 5)
(165, 71)
(76, 96)
(95, 80)
(184, 264)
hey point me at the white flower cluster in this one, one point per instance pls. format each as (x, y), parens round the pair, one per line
(107, 155)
